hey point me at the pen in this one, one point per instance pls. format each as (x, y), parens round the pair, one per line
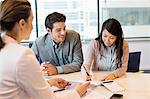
(46, 62)
(58, 90)
(86, 71)
(108, 81)
(68, 84)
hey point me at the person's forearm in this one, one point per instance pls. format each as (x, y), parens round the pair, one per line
(119, 72)
(51, 82)
(73, 67)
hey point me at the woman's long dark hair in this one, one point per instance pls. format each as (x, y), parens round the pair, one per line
(12, 11)
(113, 26)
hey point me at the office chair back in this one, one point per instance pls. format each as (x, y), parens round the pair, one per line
(134, 61)
(38, 58)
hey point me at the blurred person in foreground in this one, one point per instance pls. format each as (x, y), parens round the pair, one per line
(20, 73)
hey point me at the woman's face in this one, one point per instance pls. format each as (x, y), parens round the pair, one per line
(108, 38)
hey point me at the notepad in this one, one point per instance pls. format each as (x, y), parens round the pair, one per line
(113, 86)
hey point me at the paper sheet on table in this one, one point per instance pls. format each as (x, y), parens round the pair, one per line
(71, 87)
(91, 93)
(113, 86)
(96, 83)
(94, 95)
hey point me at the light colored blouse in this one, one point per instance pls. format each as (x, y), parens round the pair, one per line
(105, 60)
(21, 76)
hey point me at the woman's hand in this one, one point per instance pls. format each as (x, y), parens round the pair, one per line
(88, 78)
(82, 88)
(58, 82)
(109, 77)
(86, 73)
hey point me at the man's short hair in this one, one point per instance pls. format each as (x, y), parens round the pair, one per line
(54, 17)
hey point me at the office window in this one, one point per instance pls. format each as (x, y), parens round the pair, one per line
(81, 15)
(133, 15)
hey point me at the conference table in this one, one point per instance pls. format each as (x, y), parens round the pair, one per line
(136, 85)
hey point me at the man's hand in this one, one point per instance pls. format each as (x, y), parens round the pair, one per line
(58, 82)
(51, 69)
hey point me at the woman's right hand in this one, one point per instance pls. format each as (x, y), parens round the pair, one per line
(88, 78)
(82, 88)
(85, 74)
(58, 82)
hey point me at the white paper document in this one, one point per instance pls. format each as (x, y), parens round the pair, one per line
(90, 92)
(70, 87)
(93, 95)
(113, 86)
(95, 83)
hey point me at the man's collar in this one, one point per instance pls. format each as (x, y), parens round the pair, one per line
(56, 45)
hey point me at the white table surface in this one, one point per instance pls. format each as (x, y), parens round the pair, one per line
(136, 85)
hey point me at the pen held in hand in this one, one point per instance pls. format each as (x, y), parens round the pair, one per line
(66, 87)
(58, 90)
(86, 71)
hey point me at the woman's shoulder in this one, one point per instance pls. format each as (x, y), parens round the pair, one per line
(94, 43)
(20, 49)
(17, 52)
(125, 43)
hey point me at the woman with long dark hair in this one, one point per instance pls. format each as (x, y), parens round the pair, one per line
(109, 51)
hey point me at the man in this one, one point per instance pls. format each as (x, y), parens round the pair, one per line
(60, 50)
